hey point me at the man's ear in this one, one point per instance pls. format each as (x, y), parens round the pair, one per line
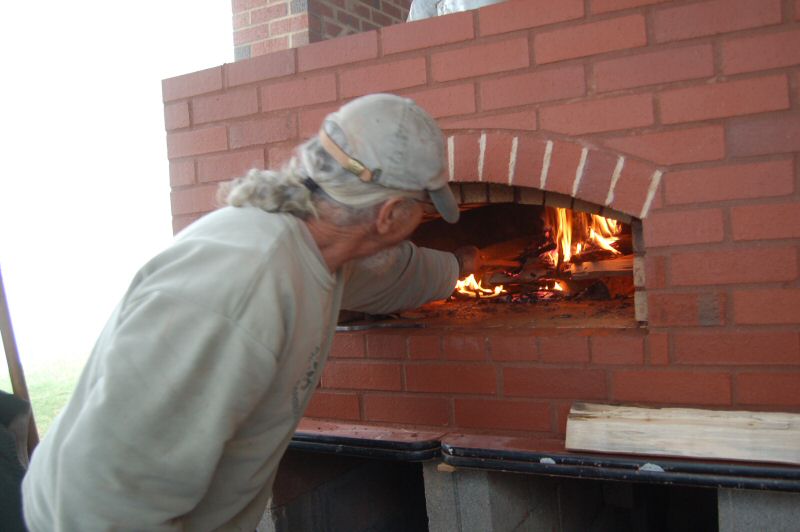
(388, 215)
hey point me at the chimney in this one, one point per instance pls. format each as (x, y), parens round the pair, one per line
(264, 26)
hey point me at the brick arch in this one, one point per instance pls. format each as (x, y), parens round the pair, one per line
(566, 166)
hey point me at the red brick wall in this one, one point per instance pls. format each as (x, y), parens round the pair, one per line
(264, 26)
(706, 91)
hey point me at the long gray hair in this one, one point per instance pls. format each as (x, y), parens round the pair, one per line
(286, 189)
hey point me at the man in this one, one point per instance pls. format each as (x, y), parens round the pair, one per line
(197, 382)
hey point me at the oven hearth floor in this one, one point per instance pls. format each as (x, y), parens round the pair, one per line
(613, 314)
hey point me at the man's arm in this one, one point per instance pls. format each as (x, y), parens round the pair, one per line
(413, 277)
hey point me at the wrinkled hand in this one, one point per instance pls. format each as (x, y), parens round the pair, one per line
(469, 260)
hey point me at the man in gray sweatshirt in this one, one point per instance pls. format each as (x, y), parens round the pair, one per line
(196, 384)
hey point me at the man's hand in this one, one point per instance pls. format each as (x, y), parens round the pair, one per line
(469, 260)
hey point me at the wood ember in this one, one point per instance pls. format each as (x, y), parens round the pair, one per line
(529, 277)
(521, 252)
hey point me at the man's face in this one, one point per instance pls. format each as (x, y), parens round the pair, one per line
(381, 261)
(396, 221)
(409, 216)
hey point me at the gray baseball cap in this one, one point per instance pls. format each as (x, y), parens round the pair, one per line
(393, 147)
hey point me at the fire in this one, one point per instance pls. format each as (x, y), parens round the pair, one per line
(564, 234)
(607, 226)
(603, 242)
(472, 288)
(577, 233)
(569, 236)
(603, 231)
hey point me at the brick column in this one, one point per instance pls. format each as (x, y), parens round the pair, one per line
(264, 26)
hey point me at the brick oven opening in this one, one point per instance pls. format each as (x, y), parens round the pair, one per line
(544, 266)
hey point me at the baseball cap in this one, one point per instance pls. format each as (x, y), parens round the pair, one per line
(393, 147)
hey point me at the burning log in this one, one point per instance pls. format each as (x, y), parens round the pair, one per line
(623, 246)
(529, 273)
(500, 263)
(575, 256)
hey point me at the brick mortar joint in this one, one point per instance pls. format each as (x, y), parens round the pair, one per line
(545, 135)
(354, 15)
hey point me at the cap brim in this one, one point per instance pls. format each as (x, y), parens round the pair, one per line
(445, 203)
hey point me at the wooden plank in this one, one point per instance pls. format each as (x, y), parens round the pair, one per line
(602, 268)
(685, 432)
(18, 384)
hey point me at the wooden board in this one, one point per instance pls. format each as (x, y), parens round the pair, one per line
(603, 268)
(685, 432)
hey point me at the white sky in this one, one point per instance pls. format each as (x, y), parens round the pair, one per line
(84, 188)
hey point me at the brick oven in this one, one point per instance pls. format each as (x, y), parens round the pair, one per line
(679, 120)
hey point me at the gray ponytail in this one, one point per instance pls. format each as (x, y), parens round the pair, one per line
(285, 190)
(270, 190)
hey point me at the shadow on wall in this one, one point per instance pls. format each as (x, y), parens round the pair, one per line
(316, 493)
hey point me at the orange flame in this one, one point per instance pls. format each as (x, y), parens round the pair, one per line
(556, 287)
(603, 242)
(472, 288)
(577, 232)
(602, 231)
(606, 226)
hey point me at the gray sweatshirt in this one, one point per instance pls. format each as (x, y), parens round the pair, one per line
(199, 378)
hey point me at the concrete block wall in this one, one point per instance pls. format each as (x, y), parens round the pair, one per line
(744, 510)
(707, 92)
(468, 500)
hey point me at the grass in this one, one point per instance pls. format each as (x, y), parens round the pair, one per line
(50, 387)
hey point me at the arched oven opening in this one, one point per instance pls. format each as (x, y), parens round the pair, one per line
(547, 262)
